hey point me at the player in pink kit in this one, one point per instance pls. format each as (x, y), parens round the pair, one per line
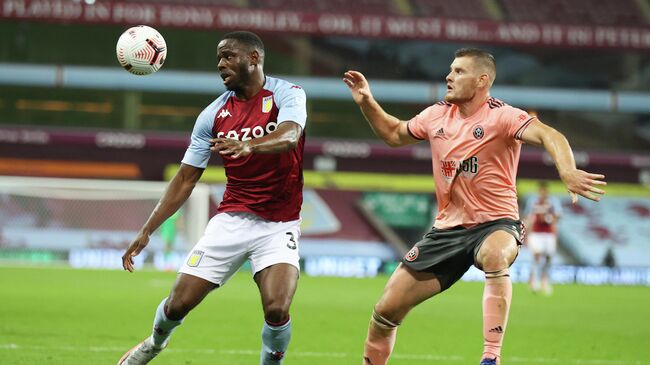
(542, 213)
(257, 128)
(475, 144)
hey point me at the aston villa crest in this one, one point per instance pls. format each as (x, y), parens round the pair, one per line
(267, 104)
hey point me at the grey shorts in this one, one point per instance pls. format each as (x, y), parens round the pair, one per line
(449, 253)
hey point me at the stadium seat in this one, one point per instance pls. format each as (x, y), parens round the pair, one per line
(588, 230)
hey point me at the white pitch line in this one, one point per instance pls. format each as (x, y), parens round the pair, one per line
(424, 357)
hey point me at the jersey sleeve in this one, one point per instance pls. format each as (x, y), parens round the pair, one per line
(418, 126)
(198, 152)
(515, 121)
(292, 105)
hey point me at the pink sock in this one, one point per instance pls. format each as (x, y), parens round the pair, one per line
(379, 345)
(497, 296)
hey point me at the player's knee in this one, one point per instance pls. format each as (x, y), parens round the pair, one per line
(176, 308)
(497, 258)
(276, 313)
(392, 310)
(386, 314)
(384, 320)
(494, 263)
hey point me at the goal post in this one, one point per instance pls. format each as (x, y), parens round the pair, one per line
(61, 215)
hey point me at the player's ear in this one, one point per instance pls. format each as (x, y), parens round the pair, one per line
(484, 80)
(255, 57)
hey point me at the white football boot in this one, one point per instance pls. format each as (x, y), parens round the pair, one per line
(141, 354)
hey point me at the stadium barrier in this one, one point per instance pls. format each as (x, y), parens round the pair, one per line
(113, 78)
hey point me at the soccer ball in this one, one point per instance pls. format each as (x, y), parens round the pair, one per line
(141, 50)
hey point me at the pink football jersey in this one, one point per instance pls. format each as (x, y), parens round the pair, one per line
(474, 160)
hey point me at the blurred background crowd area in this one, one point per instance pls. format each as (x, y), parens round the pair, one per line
(615, 65)
(68, 110)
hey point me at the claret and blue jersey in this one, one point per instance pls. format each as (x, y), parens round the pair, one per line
(268, 185)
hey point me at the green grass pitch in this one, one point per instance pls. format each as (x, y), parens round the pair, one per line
(66, 316)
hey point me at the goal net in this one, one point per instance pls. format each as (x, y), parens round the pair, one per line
(90, 223)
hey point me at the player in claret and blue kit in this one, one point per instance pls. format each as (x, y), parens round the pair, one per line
(542, 214)
(257, 126)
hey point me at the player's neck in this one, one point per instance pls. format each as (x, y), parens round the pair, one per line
(468, 108)
(255, 84)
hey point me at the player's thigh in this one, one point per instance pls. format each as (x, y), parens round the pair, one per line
(405, 289)
(276, 243)
(275, 263)
(498, 251)
(222, 249)
(277, 285)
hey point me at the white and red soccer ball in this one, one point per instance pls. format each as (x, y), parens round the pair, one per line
(141, 50)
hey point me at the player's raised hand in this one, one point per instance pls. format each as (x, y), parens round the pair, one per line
(138, 244)
(358, 86)
(230, 147)
(583, 183)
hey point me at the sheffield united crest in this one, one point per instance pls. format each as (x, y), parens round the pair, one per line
(412, 254)
(478, 132)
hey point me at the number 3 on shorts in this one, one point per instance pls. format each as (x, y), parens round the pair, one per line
(292, 241)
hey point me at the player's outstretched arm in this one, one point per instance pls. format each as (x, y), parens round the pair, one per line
(390, 129)
(578, 182)
(283, 139)
(177, 192)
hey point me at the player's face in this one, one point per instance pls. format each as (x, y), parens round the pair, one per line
(462, 80)
(234, 64)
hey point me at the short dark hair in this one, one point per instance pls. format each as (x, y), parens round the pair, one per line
(543, 184)
(482, 57)
(247, 38)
